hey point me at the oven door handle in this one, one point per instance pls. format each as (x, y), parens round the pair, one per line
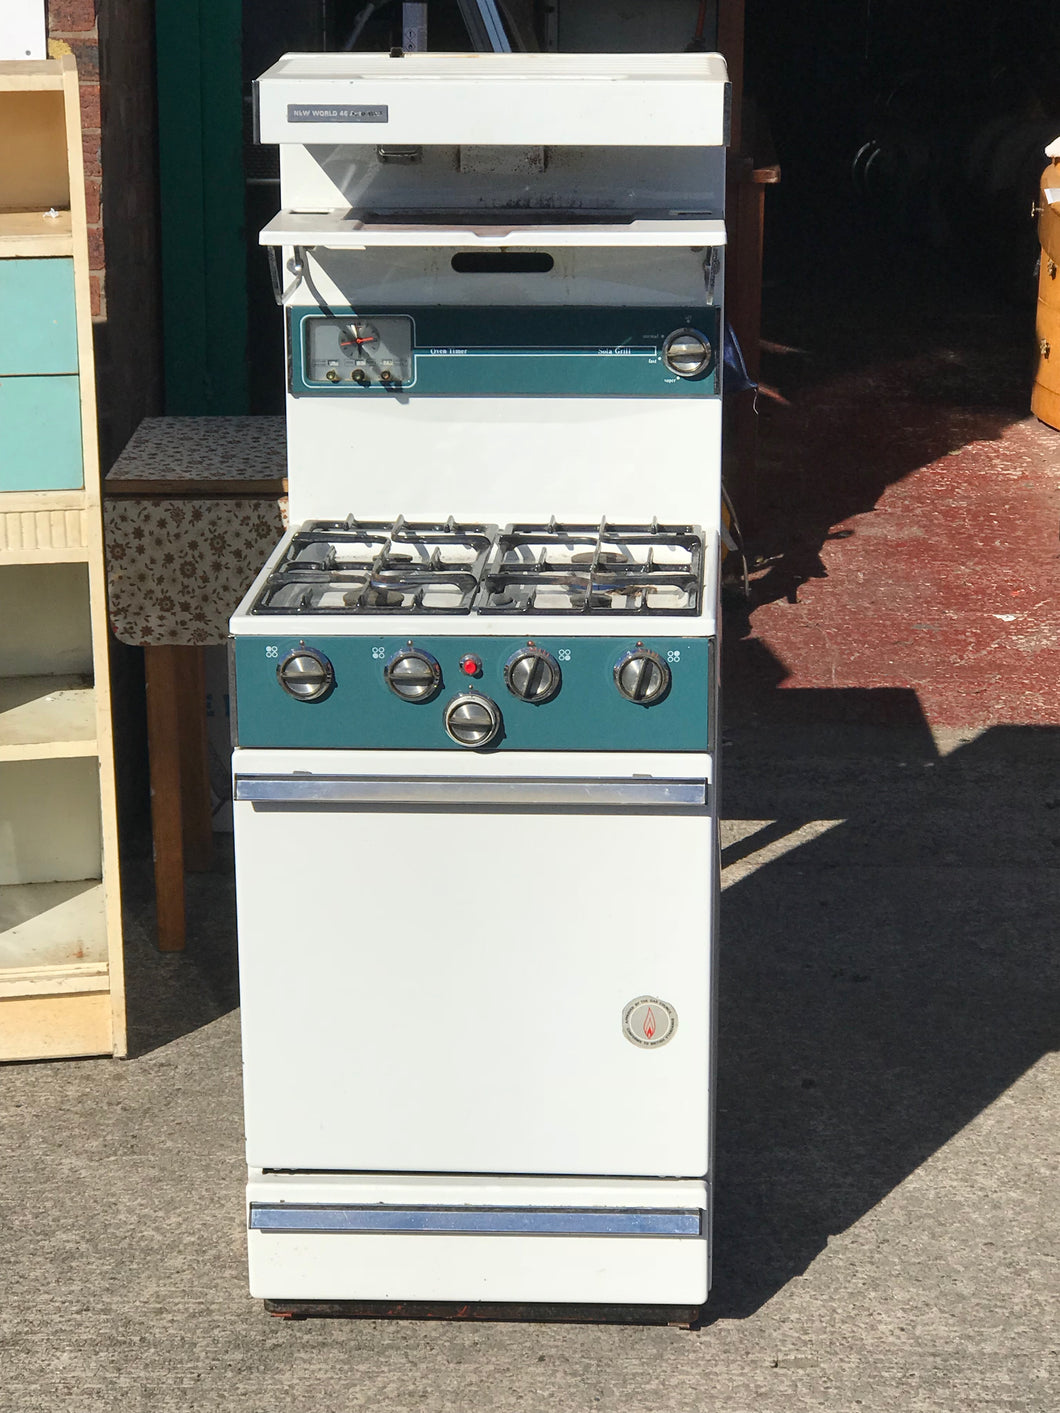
(515, 791)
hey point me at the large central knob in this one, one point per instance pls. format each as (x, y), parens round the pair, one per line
(472, 720)
(532, 675)
(642, 676)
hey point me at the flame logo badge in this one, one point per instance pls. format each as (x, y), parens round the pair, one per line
(649, 1021)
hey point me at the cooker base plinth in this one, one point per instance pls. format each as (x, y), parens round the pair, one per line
(680, 1316)
(491, 1247)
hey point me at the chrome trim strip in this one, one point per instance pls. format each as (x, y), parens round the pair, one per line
(458, 790)
(505, 1221)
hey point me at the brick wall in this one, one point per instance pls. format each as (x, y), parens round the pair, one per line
(72, 28)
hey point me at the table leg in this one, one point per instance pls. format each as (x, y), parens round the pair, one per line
(163, 672)
(195, 763)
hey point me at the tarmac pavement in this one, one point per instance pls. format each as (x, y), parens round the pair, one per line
(887, 1213)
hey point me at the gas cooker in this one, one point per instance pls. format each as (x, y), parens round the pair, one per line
(408, 567)
(495, 704)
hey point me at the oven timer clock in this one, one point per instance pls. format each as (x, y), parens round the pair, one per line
(369, 352)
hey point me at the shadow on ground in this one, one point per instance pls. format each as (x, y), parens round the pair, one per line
(172, 994)
(882, 983)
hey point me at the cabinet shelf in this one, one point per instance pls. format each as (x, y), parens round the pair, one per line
(30, 75)
(46, 717)
(44, 527)
(45, 554)
(35, 233)
(49, 931)
(77, 979)
(55, 978)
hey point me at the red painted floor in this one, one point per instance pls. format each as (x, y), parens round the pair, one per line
(905, 512)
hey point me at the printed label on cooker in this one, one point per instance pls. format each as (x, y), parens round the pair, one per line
(337, 113)
(649, 1022)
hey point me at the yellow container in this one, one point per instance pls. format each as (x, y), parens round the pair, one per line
(1045, 397)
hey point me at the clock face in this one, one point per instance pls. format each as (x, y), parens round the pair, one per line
(369, 352)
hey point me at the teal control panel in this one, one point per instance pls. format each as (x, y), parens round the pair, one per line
(566, 696)
(483, 351)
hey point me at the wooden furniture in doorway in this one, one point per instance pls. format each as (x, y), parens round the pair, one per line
(193, 507)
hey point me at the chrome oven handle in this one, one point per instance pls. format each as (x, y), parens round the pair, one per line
(517, 791)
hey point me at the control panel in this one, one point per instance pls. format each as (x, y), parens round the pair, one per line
(482, 351)
(364, 351)
(428, 693)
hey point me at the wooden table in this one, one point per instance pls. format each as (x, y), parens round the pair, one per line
(192, 508)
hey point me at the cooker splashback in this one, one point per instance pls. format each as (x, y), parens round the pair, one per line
(495, 386)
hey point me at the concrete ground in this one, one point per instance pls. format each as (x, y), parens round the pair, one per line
(889, 1089)
(889, 1103)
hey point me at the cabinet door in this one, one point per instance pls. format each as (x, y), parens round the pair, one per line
(40, 434)
(38, 329)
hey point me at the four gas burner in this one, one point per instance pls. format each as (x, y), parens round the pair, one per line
(357, 566)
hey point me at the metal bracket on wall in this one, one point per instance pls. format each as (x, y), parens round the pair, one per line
(711, 271)
(296, 266)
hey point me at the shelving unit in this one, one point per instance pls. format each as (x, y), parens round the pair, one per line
(61, 978)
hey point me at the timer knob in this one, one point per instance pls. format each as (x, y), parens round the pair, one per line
(413, 675)
(687, 353)
(472, 720)
(306, 674)
(642, 676)
(532, 675)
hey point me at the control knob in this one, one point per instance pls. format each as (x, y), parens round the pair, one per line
(472, 720)
(687, 353)
(532, 675)
(642, 676)
(306, 674)
(413, 675)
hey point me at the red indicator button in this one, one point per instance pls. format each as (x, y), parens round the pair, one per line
(470, 665)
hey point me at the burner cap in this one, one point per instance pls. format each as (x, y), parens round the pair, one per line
(381, 598)
(316, 555)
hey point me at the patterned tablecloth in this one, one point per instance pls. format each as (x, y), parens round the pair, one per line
(192, 508)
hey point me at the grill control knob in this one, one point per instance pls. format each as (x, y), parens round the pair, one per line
(472, 720)
(413, 675)
(687, 353)
(306, 674)
(532, 675)
(642, 676)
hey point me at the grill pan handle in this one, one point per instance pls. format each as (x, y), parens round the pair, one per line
(517, 792)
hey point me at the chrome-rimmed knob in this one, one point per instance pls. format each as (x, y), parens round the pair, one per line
(688, 353)
(642, 676)
(306, 674)
(413, 675)
(472, 720)
(532, 675)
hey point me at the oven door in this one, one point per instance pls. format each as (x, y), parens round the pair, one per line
(494, 965)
